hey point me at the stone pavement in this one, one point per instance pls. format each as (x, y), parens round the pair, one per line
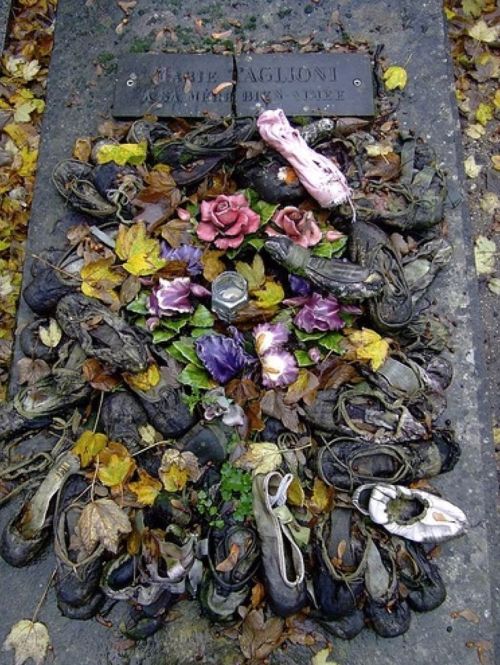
(413, 35)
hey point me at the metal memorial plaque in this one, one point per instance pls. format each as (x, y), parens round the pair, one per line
(305, 84)
(169, 85)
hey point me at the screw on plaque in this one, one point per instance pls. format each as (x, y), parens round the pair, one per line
(357, 82)
(132, 80)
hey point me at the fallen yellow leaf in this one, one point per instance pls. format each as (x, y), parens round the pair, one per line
(395, 77)
(140, 253)
(99, 280)
(145, 380)
(484, 113)
(123, 153)
(177, 468)
(269, 296)
(322, 497)
(146, 488)
(115, 465)
(295, 493)
(88, 446)
(370, 346)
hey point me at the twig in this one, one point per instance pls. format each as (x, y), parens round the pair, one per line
(101, 398)
(43, 596)
(54, 267)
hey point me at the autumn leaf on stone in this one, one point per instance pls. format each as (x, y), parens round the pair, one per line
(321, 500)
(322, 657)
(145, 380)
(51, 335)
(370, 347)
(254, 274)
(395, 77)
(88, 446)
(99, 279)
(270, 295)
(483, 33)
(103, 522)
(261, 458)
(82, 149)
(123, 153)
(99, 376)
(28, 639)
(259, 637)
(484, 254)
(146, 488)
(140, 253)
(115, 465)
(177, 469)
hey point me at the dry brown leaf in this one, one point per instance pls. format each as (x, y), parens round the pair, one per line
(466, 614)
(99, 376)
(230, 562)
(31, 370)
(82, 149)
(212, 264)
(222, 86)
(259, 638)
(103, 522)
(258, 594)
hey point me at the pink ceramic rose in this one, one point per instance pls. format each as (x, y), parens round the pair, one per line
(299, 225)
(226, 221)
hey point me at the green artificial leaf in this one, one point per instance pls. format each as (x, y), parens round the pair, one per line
(202, 317)
(303, 359)
(140, 304)
(308, 336)
(328, 250)
(256, 243)
(195, 377)
(198, 332)
(332, 341)
(175, 323)
(185, 352)
(265, 210)
(160, 336)
(193, 209)
(251, 196)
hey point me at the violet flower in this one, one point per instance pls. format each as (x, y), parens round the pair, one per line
(186, 253)
(319, 313)
(171, 297)
(221, 356)
(269, 336)
(299, 285)
(279, 369)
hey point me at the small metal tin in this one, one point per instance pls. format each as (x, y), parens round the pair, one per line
(229, 295)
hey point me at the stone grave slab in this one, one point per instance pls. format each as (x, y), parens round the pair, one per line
(169, 85)
(305, 84)
(80, 89)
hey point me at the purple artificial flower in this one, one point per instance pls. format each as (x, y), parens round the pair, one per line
(269, 336)
(299, 285)
(222, 356)
(200, 291)
(171, 297)
(187, 253)
(350, 309)
(314, 354)
(319, 313)
(279, 369)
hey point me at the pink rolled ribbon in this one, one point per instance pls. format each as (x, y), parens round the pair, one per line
(322, 179)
